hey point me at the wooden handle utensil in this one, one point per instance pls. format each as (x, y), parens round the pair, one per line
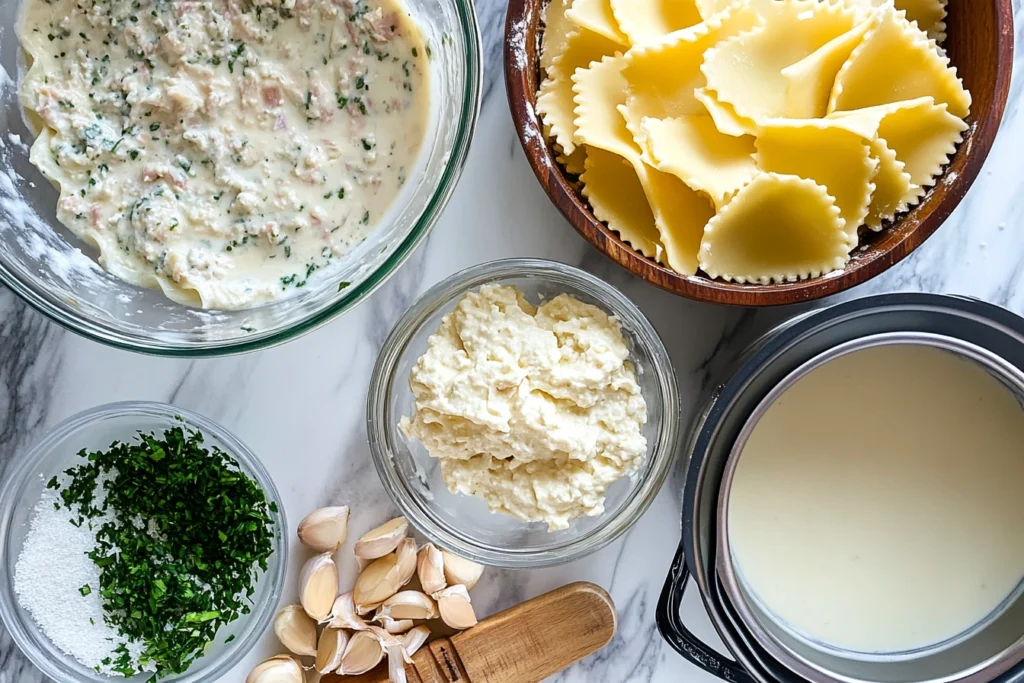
(523, 644)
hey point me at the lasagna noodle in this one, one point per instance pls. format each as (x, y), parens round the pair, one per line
(778, 228)
(648, 20)
(897, 61)
(746, 71)
(555, 99)
(692, 149)
(597, 16)
(831, 156)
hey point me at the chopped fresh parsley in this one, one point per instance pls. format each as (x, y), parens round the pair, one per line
(180, 555)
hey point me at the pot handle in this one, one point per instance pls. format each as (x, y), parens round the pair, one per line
(672, 629)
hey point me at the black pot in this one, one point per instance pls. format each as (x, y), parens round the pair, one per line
(725, 412)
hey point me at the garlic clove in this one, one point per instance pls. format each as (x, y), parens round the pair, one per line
(414, 639)
(408, 605)
(386, 639)
(455, 607)
(406, 554)
(296, 630)
(394, 626)
(458, 570)
(344, 615)
(325, 530)
(382, 540)
(362, 653)
(389, 641)
(430, 568)
(396, 663)
(279, 669)
(377, 583)
(330, 649)
(318, 586)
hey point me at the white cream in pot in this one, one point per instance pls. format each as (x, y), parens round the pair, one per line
(877, 506)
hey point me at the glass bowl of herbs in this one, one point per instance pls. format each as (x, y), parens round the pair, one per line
(139, 541)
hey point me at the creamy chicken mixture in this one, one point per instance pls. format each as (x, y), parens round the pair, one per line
(536, 410)
(224, 150)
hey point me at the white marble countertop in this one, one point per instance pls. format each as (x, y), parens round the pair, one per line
(301, 406)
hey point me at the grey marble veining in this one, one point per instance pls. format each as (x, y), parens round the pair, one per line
(301, 406)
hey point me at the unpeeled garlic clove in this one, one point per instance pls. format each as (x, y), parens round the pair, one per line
(344, 615)
(455, 606)
(458, 570)
(330, 650)
(386, 639)
(279, 669)
(414, 639)
(382, 540)
(406, 560)
(363, 652)
(296, 630)
(394, 626)
(318, 586)
(430, 568)
(408, 605)
(326, 529)
(389, 641)
(376, 583)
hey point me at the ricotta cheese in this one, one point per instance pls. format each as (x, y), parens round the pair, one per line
(536, 411)
(224, 150)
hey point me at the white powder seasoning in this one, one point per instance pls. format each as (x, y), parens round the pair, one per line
(49, 576)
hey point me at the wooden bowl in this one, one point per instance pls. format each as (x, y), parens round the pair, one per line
(980, 46)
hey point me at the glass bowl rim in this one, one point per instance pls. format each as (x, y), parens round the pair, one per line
(659, 461)
(464, 132)
(24, 467)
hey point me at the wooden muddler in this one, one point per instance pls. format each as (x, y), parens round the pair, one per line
(523, 644)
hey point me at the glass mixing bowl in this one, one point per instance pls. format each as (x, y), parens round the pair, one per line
(462, 524)
(57, 273)
(98, 428)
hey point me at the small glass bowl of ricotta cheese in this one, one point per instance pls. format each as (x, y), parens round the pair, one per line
(554, 438)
